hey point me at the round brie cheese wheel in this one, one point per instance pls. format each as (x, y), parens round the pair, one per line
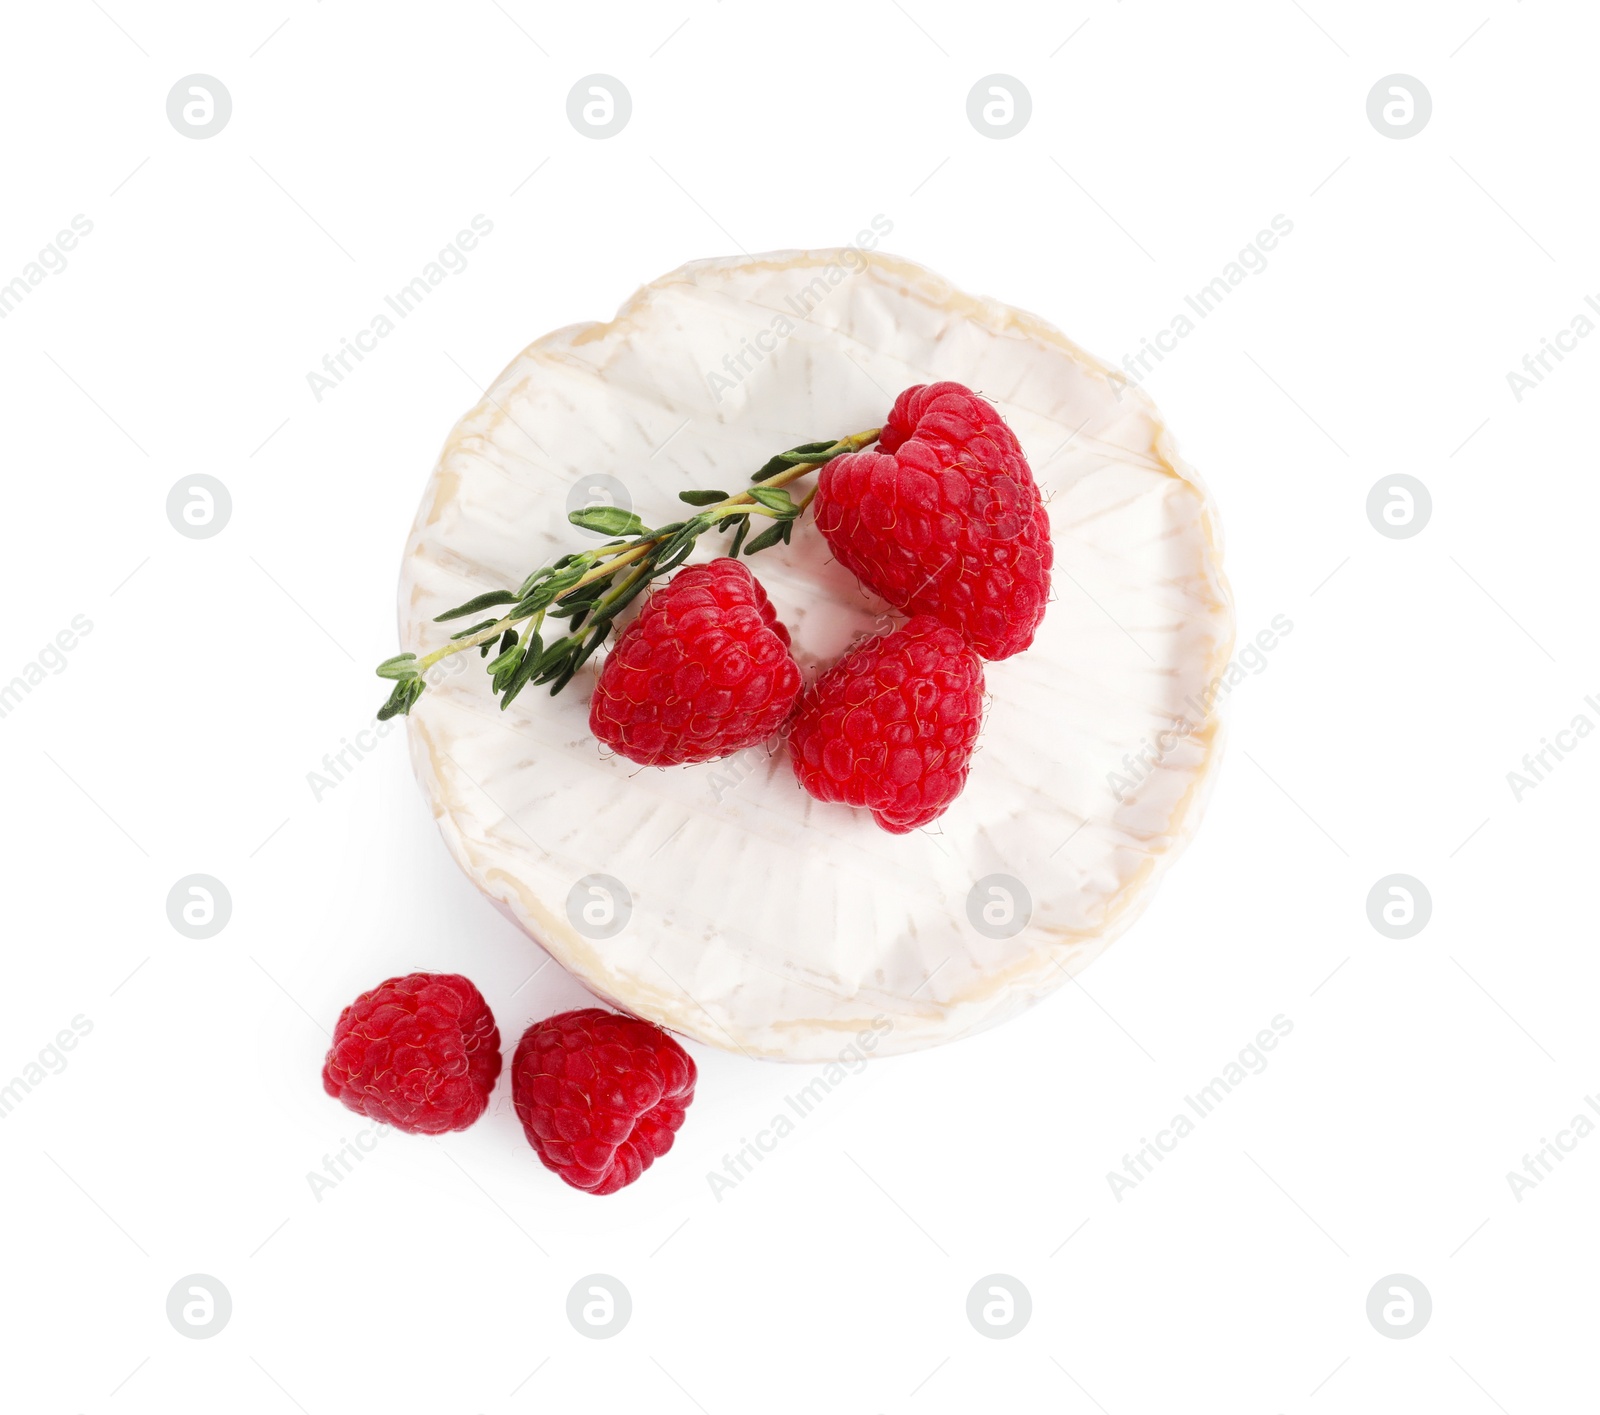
(719, 900)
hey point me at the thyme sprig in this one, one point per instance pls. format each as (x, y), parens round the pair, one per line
(586, 591)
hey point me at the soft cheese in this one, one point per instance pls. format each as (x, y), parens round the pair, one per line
(757, 919)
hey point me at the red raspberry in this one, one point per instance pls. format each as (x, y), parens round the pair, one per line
(420, 1053)
(703, 672)
(600, 1095)
(892, 724)
(944, 518)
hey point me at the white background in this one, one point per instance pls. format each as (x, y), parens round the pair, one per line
(178, 737)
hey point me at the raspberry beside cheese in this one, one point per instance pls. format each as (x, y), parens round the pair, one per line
(600, 1095)
(419, 1052)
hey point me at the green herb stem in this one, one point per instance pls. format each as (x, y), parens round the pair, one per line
(650, 552)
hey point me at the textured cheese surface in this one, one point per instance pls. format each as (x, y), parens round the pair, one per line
(763, 921)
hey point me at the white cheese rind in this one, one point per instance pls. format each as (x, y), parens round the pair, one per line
(763, 921)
